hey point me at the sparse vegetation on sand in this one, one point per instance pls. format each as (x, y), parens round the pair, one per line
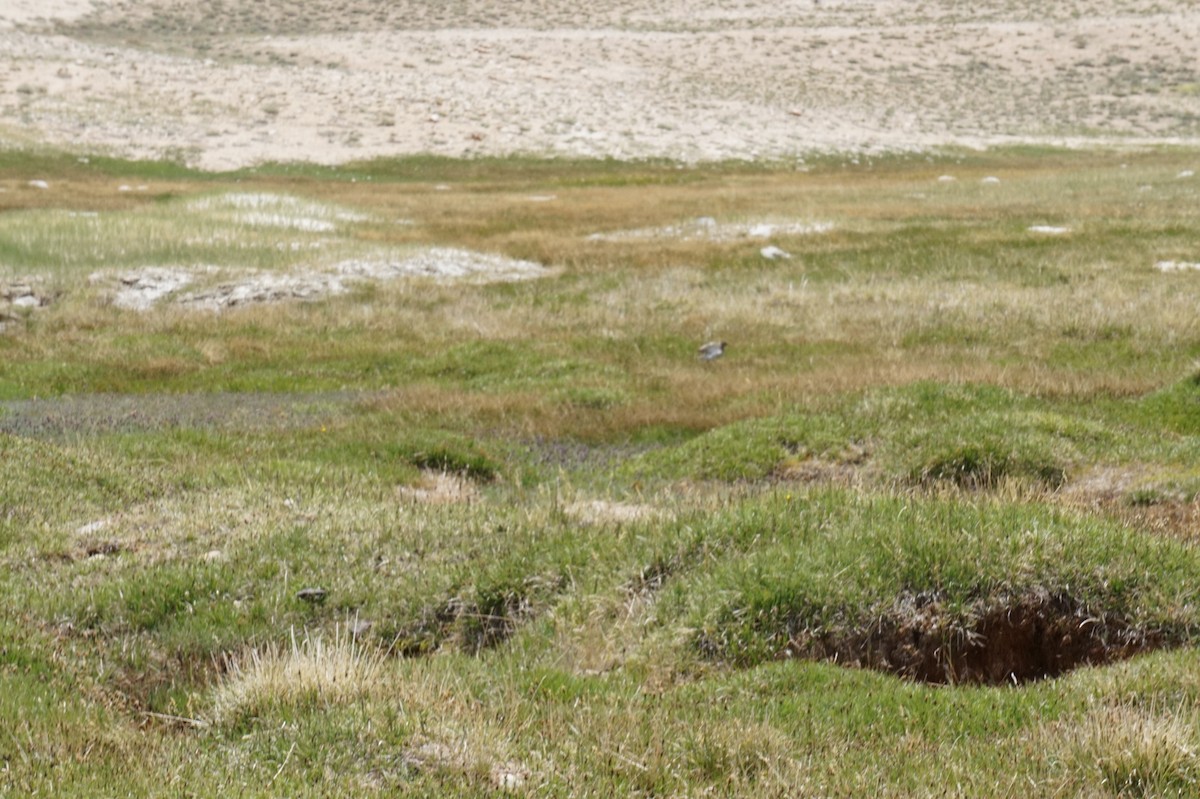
(928, 526)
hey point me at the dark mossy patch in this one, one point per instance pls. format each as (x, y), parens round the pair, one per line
(986, 464)
(477, 619)
(447, 452)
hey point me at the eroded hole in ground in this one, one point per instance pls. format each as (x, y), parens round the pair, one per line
(1006, 640)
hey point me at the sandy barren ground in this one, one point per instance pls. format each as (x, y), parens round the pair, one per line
(232, 83)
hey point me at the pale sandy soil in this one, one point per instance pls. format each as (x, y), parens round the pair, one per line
(331, 81)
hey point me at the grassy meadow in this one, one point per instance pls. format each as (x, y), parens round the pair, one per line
(930, 527)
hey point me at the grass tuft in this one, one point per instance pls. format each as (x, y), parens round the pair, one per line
(305, 675)
(1127, 751)
(987, 464)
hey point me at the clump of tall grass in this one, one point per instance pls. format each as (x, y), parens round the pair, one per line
(1132, 751)
(306, 672)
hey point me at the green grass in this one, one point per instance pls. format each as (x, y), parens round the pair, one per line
(561, 555)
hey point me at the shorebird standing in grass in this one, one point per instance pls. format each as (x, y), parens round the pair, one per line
(712, 350)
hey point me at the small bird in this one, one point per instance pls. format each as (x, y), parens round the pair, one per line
(712, 350)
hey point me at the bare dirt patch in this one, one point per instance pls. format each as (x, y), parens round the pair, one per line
(1174, 519)
(602, 511)
(1127, 493)
(683, 79)
(24, 12)
(143, 289)
(708, 229)
(440, 488)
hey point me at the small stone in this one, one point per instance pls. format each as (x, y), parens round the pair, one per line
(313, 596)
(509, 776)
(990, 179)
(772, 253)
(38, 184)
(92, 527)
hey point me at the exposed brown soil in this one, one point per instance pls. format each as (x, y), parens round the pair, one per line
(1180, 520)
(1110, 491)
(1009, 640)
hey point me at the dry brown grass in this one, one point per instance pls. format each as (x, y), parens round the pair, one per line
(918, 279)
(310, 672)
(1126, 750)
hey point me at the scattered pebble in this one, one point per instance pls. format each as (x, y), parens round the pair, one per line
(1177, 266)
(38, 184)
(22, 294)
(1048, 229)
(946, 178)
(772, 253)
(990, 179)
(509, 776)
(1187, 173)
(707, 228)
